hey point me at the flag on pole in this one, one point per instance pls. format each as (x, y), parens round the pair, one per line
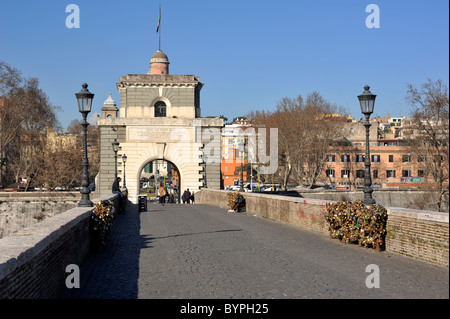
(159, 20)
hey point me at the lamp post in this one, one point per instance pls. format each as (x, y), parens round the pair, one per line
(367, 102)
(84, 98)
(115, 146)
(241, 184)
(124, 160)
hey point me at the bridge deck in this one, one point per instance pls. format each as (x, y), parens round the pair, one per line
(201, 251)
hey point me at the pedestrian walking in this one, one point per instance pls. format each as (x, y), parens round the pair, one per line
(186, 196)
(162, 195)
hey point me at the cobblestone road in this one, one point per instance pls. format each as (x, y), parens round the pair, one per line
(201, 251)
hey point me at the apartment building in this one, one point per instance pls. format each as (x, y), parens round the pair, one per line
(394, 163)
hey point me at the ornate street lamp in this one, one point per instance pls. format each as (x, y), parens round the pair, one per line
(115, 147)
(84, 98)
(367, 102)
(124, 160)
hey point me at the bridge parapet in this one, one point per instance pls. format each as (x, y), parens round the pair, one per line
(33, 260)
(419, 234)
(22, 209)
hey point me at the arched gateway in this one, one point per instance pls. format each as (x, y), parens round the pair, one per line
(159, 120)
(160, 172)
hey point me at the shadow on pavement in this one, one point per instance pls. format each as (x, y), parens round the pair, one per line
(198, 233)
(113, 271)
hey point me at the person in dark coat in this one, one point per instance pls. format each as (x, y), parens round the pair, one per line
(116, 190)
(186, 196)
(116, 187)
(239, 203)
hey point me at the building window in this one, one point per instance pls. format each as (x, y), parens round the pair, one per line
(360, 173)
(391, 158)
(345, 158)
(331, 158)
(390, 173)
(360, 158)
(438, 158)
(160, 109)
(406, 173)
(375, 173)
(406, 158)
(330, 173)
(375, 158)
(149, 167)
(345, 173)
(422, 158)
(421, 173)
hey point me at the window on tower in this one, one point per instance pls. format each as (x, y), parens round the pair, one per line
(160, 109)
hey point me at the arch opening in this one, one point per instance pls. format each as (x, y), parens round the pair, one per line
(156, 173)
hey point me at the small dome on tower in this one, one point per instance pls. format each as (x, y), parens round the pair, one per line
(160, 56)
(159, 63)
(109, 101)
(109, 108)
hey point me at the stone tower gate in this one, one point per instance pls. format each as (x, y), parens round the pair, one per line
(159, 119)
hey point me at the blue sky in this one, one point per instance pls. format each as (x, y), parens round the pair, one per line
(250, 54)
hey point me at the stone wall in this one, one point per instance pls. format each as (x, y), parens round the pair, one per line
(419, 234)
(139, 92)
(423, 235)
(33, 260)
(212, 148)
(394, 197)
(108, 134)
(20, 210)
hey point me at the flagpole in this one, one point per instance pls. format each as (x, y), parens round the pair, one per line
(160, 27)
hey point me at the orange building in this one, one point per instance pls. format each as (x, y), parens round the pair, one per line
(231, 168)
(232, 155)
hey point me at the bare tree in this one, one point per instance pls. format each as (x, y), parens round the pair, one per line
(429, 131)
(60, 166)
(25, 120)
(93, 144)
(318, 131)
(305, 130)
(10, 119)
